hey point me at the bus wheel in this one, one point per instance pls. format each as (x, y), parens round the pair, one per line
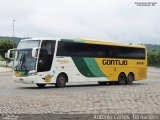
(61, 80)
(130, 78)
(102, 83)
(121, 79)
(41, 85)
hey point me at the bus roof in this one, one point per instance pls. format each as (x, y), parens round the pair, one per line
(90, 41)
(28, 39)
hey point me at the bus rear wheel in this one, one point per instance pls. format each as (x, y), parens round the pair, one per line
(41, 85)
(122, 79)
(130, 78)
(61, 80)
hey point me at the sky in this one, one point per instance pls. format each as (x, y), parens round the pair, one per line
(119, 21)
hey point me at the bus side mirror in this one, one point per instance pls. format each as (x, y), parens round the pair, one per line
(10, 54)
(35, 52)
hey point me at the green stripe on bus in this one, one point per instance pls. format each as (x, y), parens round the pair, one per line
(73, 40)
(93, 67)
(82, 66)
(67, 40)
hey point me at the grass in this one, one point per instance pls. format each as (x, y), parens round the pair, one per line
(1, 58)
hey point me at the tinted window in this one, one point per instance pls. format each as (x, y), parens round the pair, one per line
(100, 51)
(126, 52)
(80, 49)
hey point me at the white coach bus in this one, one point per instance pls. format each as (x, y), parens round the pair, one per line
(57, 61)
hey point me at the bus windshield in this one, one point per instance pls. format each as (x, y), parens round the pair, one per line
(24, 60)
(23, 57)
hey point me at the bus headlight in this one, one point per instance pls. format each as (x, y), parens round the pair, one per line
(31, 73)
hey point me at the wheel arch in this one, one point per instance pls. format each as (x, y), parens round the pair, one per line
(64, 74)
(122, 73)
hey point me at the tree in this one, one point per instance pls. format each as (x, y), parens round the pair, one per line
(154, 58)
(6, 44)
(158, 59)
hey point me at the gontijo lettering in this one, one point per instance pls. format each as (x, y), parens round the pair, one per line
(114, 62)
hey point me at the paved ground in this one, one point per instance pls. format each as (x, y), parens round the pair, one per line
(3, 69)
(141, 97)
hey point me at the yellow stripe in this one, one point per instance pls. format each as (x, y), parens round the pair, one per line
(105, 42)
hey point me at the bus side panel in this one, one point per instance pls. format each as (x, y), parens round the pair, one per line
(112, 67)
(97, 69)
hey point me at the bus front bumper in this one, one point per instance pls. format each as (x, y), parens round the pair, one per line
(28, 79)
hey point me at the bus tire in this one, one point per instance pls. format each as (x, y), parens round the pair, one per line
(61, 80)
(122, 79)
(102, 83)
(130, 78)
(41, 85)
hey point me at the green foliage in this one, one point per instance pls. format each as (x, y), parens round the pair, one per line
(154, 58)
(150, 47)
(5, 44)
(15, 39)
(153, 55)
